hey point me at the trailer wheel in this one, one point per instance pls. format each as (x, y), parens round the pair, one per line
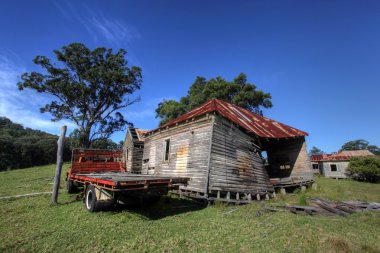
(70, 187)
(90, 201)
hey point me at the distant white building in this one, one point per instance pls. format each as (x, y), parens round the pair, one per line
(335, 165)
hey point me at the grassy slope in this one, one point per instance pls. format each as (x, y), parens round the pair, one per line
(172, 225)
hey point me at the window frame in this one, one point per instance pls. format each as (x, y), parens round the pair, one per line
(331, 167)
(166, 150)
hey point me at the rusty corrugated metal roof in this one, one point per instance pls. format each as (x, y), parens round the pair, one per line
(344, 155)
(252, 122)
(355, 153)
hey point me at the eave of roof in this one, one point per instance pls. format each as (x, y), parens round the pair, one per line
(251, 122)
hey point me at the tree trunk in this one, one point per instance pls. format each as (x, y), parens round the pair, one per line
(86, 143)
(58, 169)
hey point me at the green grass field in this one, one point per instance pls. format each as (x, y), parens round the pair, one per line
(173, 225)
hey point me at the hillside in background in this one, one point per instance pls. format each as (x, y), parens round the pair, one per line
(24, 147)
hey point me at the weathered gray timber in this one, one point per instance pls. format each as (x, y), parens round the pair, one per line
(187, 155)
(133, 149)
(58, 169)
(236, 163)
(218, 145)
(334, 169)
(223, 161)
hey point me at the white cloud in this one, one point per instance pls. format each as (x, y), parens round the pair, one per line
(113, 30)
(23, 107)
(98, 25)
(101, 27)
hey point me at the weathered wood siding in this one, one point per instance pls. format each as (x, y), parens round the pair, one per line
(291, 153)
(341, 167)
(127, 151)
(317, 170)
(188, 154)
(236, 164)
(132, 153)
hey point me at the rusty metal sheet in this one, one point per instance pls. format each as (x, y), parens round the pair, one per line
(344, 155)
(252, 122)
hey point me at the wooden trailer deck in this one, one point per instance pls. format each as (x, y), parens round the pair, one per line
(128, 181)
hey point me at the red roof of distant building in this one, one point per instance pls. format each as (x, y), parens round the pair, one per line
(252, 122)
(344, 155)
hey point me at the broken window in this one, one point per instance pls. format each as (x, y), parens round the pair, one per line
(285, 166)
(283, 162)
(315, 166)
(333, 167)
(167, 149)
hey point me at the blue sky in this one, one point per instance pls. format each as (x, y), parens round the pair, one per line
(320, 60)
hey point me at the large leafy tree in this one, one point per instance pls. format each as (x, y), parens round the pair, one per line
(355, 145)
(360, 145)
(238, 92)
(24, 147)
(374, 149)
(88, 87)
(315, 151)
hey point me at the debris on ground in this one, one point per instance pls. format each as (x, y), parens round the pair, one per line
(326, 207)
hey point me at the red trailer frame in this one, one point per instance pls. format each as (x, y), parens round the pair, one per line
(103, 176)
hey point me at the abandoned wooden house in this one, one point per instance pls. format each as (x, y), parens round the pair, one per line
(335, 165)
(218, 145)
(133, 149)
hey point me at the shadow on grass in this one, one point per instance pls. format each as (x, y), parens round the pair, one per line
(164, 207)
(73, 198)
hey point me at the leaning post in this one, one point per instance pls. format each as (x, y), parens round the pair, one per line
(58, 168)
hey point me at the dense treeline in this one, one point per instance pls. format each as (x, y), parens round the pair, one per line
(24, 147)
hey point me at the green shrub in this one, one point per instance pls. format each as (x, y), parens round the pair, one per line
(365, 169)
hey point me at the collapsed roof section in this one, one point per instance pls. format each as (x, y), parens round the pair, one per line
(137, 133)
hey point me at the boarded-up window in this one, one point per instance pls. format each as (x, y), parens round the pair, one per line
(333, 167)
(167, 149)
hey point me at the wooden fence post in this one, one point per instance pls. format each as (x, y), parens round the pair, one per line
(58, 168)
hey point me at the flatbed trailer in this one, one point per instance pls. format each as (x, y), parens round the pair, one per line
(103, 177)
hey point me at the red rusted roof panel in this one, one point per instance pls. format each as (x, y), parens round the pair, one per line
(252, 122)
(344, 155)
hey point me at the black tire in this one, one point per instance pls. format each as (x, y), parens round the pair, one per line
(70, 187)
(90, 201)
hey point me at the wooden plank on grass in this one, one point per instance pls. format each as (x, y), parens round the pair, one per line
(25, 195)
